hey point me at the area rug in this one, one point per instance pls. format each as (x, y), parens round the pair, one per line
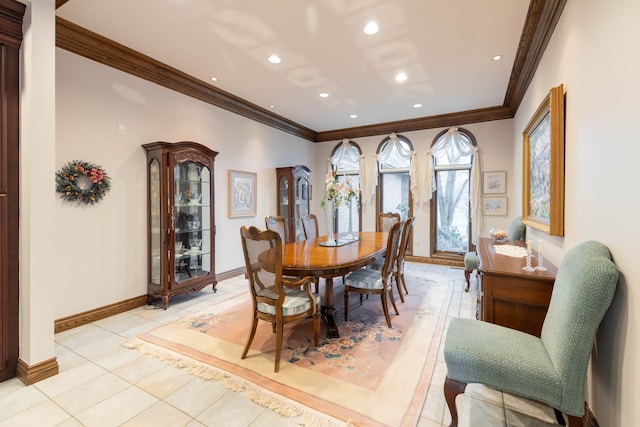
(371, 376)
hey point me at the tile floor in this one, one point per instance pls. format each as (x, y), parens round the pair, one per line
(101, 383)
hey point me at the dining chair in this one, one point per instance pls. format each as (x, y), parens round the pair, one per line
(398, 267)
(309, 226)
(279, 224)
(386, 220)
(275, 300)
(551, 369)
(370, 281)
(516, 232)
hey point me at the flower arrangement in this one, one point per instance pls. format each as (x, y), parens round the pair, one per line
(83, 182)
(498, 234)
(338, 193)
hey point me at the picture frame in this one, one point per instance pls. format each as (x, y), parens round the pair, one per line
(494, 206)
(494, 182)
(543, 166)
(242, 193)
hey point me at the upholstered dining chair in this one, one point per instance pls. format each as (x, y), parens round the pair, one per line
(386, 220)
(398, 267)
(370, 281)
(309, 226)
(551, 369)
(279, 224)
(275, 300)
(516, 232)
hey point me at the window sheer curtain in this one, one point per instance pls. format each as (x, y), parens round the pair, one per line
(451, 141)
(348, 153)
(394, 145)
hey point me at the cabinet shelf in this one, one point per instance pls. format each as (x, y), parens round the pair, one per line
(178, 226)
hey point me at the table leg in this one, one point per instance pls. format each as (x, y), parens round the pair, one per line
(328, 309)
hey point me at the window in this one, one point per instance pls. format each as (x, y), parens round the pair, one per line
(345, 161)
(452, 157)
(394, 175)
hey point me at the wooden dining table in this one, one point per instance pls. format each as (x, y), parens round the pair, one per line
(311, 258)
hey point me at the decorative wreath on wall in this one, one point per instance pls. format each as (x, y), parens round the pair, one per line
(83, 182)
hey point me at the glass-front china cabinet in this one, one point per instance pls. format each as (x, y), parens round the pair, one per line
(181, 226)
(294, 193)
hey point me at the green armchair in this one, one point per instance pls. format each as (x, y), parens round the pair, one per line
(551, 369)
(516, 232)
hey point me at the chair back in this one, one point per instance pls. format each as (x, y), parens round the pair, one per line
(404, 242)
(584, 287)
(278, 224)
(265, 281)
(517, 229)
(391, 255)
(310, 226)
(386, 220)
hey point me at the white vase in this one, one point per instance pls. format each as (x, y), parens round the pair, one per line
(331, 239)
(350, 232)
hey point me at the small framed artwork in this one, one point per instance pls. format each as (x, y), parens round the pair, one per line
(494, 206)
(494, 182)
(242, 194)
(543, 166)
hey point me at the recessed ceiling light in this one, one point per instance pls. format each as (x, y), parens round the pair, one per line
(354, 116)
(401, 77)
(371, 27)
(324, 94)
(275, 59)
(272, 106)
(417, 105)
(215, 79)
(497, 58)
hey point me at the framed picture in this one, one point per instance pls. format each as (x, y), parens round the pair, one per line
(543, 166)
(494, 206)
(242, 194)
(494, 182)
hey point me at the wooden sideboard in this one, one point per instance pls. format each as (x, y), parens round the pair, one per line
(507, 294)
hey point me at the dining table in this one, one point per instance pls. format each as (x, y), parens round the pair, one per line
(313, 257)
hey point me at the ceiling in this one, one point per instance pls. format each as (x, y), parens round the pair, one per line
(445, 47)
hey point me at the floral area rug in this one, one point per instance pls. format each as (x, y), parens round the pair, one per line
(370, 376)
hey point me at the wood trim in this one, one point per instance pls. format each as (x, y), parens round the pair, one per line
(539, 25)
(31, 374)
(589, 420)
(229, 274)
(80, 319)
(88, 44)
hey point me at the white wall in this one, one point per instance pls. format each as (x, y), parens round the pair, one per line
(594, 53)
(102, 248)
(496, 152)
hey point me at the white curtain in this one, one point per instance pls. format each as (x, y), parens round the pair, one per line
(453, 141)
(350, 152)
(394, 145)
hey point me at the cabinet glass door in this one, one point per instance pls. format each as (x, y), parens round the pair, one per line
(284, 198)
(192, 221)
(302, 205)
(156, 232)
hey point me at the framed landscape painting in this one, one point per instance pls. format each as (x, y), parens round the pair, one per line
(242, 194)
(543, 166)
(494, 206)
(494, 182)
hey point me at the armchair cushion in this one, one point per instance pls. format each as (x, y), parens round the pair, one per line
(295, 301)
(365, 279)
(470, 261)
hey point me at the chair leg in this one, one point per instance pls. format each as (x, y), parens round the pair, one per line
(385, 308)
(575, 421)
(404, 283)
(279, 333)
(452, 389)
(252, 334)
(316, 327)
(467, 275)
(393, 301)
(317, 282)
(346, 303)
(399, 286)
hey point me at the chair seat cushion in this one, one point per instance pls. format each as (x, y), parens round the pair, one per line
(364, 278)
(295, 301)
(502, 358)
(470, 261)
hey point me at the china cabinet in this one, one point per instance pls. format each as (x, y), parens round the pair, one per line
(181, 226)
(294, 194)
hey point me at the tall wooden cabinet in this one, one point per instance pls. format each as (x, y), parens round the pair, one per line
(181, 226)
(294, 194)
(11, 13)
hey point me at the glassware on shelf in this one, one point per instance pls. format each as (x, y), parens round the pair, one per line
(195, 245)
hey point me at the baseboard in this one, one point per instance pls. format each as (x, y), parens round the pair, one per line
(38, 372)
(80, 319)
(229, 274)
(430, 260)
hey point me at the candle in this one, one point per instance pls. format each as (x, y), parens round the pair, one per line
(529, 246)
(540, 246)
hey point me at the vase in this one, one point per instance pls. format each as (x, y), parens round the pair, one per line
(350, 232)
(331, 239)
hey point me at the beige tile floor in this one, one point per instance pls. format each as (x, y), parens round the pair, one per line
(101, 383)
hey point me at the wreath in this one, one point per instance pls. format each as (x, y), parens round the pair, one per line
(83, 182)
